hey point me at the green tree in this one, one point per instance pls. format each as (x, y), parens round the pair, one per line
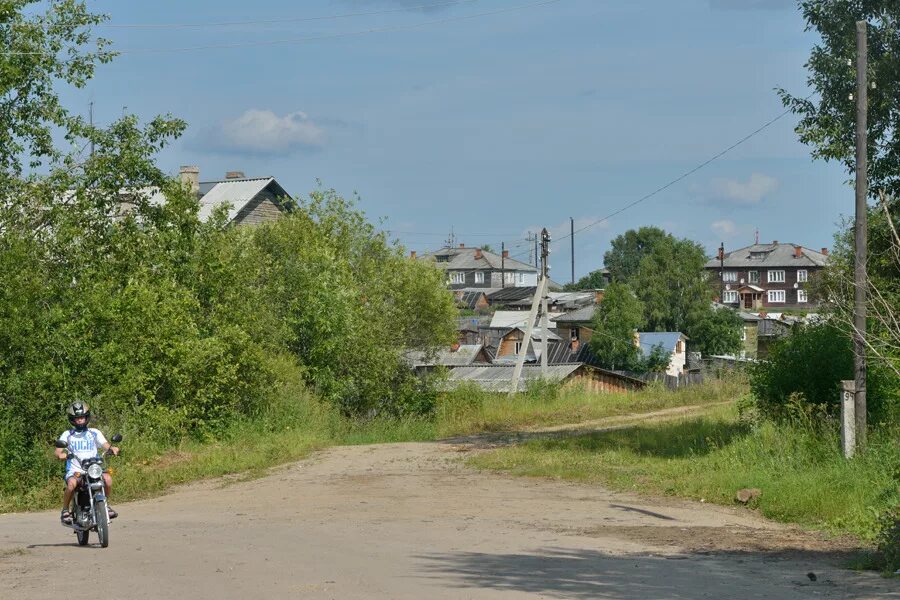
(615, 322)
(628, 250)
(595, 280)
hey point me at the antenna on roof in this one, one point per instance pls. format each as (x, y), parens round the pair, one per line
(757, 236)
(451, 240)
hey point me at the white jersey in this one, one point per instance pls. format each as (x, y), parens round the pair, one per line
(82, 445)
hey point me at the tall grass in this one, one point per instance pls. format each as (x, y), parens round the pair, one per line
(799, 468)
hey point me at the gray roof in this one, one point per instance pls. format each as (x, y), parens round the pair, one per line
(465, 355)
(464, 258)
(235, 192)
(770, 256)
(499, 378)
(667, 339)
(582, 315)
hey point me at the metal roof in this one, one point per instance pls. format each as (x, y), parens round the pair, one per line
(464, 258)
(464, 355)
(236, 192)
(582, 315)
(499, 378)
(508, 319)
(510, 294)
(770, 256)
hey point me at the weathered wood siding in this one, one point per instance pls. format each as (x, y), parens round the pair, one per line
(262, 209)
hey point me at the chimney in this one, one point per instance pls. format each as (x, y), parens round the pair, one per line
(798, 251)
(461, 245)
(506, 254)
(775, 243)
(454, 347)
(190, 178)
(598, 296)
(234, 175)
(478, 254)
(825, 251)
(412, 254)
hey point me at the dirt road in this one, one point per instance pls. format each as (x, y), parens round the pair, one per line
(410, 521)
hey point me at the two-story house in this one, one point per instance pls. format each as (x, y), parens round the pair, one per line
(477, 268)
(766, 276)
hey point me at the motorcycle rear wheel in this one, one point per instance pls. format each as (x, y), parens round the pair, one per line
(102, 523)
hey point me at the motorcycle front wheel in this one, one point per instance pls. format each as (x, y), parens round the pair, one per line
(102, 523)
(82, 536)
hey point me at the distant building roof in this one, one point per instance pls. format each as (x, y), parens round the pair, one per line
(582, 315)
(770, 256)
(511, 294)
(667, 339)
(466, 354)
(498, 378)
(508, 319)
(465, 258)
(235, 192)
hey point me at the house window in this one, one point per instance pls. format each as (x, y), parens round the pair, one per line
(802, 275)
(776, 277)
(801, 296)
(730, 297)
(679, 347)
(520, 278)
(509, 278)
(458, 277)
(776, 295)
(729, 276)
(743, 334)
(518, 347)
(753, 276)
(442, 258)
(479, 276)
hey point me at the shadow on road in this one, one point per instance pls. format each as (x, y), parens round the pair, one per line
(564, 573)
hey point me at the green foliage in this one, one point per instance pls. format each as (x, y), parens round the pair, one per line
(615, 322)
(888, 539)
(716, 331)
(828, 120)
(629, 249)
(595, 280)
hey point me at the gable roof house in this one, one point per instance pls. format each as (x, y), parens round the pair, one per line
(477, 268)
(766, 276)
(250, 200)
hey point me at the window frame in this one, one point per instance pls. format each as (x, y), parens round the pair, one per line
(479, 276)
(776, 293)
(771, 272)
(752, 276)
(805, 276)
(804, 299)
(457, 277)
(730, 276)
(509, 277)
(730, 294)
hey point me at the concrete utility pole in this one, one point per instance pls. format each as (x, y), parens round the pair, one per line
(91, 120)
(860, 250)
(536, 302)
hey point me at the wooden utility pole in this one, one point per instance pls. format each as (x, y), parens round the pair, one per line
(538, 300)
(91, 120)
(545, 325)
(503, 264)
(860, 250)
(572, 238)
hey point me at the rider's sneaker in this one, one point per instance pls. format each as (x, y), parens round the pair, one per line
(112, 514)
(65, 517)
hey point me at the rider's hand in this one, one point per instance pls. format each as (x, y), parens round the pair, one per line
(114, 450)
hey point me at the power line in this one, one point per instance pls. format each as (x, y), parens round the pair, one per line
(312, 38)
(683, 175)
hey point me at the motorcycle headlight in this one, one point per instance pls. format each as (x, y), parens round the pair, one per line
(95, 471)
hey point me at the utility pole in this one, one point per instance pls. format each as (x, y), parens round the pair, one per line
(722, 272)
(536, 302)
(503, 264)
(545, 326)
(860, 245)
(572, 237)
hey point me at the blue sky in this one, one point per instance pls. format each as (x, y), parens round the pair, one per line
(497, 124)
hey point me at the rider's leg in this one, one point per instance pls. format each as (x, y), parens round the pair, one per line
(71, 484)
(107, 486)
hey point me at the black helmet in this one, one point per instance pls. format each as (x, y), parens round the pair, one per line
(79, 409)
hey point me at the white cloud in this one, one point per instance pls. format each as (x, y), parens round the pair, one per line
(264, 132)
(743, 193)
(724, 227)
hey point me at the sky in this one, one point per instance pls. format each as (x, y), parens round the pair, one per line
(491, 118)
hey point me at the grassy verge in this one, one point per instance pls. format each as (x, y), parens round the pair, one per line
(300, 425)
(802, 475)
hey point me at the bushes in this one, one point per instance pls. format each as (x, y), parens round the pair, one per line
(804, 372)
